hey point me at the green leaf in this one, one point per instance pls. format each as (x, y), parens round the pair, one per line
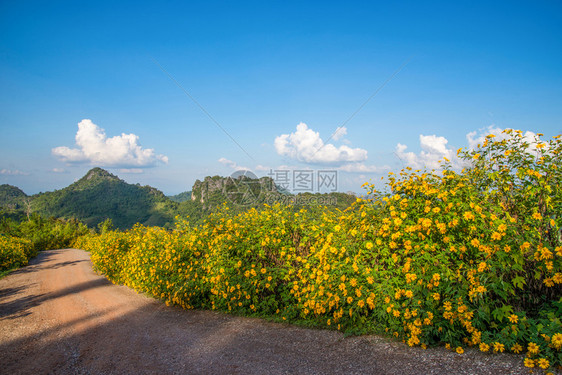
(518, 281)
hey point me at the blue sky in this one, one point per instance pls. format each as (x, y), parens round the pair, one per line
(260, 69)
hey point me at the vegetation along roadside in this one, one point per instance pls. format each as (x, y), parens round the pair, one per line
(461, 259)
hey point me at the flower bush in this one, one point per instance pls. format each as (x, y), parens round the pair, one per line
(461, 259)
(14, 252)
(21, 241)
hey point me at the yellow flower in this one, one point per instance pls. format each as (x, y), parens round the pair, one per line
(516, 348)
(410, 277)
(529, 363)
(484, 347)
(513, 318)
(537, 216)
(369, 245)
(543, 363)
(557, 340)
(459, 350)
(533, 348)
(498, 347)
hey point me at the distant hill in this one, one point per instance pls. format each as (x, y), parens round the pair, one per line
(14, 203)
(242, 190)
(181, 197)
(248, 192)
(100, 195)
(11, 196)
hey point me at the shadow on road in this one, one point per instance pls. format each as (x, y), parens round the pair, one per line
(14, 308)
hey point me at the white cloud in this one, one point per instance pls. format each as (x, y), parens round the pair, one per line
(340, 132)
(232, 164)
(477, 137)
(96, 148)
(362, 168)
(58, 170)
(433, 144)
(306, 145)
(434, 149)
(131, 170)
(262, 168)
(13, 172)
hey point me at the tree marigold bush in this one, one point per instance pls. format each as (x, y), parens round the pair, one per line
(15, 252)
(463, 259)
(21, 241)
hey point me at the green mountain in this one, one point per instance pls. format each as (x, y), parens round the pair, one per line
(11, 196)
(241, 190)
(247, 192)
(14, 203)
(100, 195)
(181, 197)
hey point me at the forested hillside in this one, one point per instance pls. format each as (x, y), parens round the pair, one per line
(181, 197)
(100, 195)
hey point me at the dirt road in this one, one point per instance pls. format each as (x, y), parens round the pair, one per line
(58, 317)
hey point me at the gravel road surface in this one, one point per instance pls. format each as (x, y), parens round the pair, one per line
(58, 317)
